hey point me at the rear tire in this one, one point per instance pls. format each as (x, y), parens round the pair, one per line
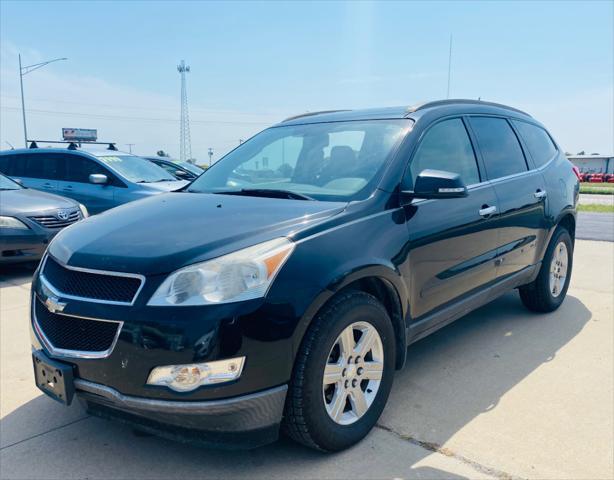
(352, 340)
(548, 290)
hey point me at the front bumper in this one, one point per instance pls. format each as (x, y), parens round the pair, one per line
(23, 246)
(247, 421)
(242, 413)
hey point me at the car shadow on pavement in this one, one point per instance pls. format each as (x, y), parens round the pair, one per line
(17, 274)
(450, 378)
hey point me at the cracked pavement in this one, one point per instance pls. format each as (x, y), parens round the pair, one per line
(501, 393)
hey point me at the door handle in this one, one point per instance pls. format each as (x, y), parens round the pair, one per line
(487, 211)
(540, 194)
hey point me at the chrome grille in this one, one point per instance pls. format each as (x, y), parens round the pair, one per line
(54, 221)
(74, 336)
(91, 285)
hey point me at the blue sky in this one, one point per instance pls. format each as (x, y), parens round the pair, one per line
(254, 63)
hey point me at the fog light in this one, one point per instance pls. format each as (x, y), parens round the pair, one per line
(183, 378)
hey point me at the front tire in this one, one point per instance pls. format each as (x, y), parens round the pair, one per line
(548, 290)
(342, 375)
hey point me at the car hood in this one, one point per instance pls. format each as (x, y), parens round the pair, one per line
(169, 186)
(166, 232)
(27, 201)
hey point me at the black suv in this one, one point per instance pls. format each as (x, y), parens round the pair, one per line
(282, 287)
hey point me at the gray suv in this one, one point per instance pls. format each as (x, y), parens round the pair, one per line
(99, 179)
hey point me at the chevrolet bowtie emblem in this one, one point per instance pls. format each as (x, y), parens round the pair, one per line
(54, 305)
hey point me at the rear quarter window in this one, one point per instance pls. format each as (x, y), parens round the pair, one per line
(538, 142)
(12, 165)
(31, 165)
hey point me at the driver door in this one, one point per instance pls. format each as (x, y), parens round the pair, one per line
(453, 242)
(76, 184)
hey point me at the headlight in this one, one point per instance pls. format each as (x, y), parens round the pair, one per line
(238, 276)
(12, 222)
(84, 212)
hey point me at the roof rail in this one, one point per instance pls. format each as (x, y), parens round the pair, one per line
(309, 114)
(439, 103)
(72, 145)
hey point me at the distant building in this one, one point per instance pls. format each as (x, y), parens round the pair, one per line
(593, 163)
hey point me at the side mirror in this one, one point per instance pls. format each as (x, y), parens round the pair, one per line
(437, 184)
(98, 178)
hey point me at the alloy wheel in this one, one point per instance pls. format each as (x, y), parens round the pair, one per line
(353, 373)
(558, 269)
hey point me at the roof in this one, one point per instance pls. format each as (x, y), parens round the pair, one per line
(347, 115)
(590, 157)
(95, 152)
(477, 106)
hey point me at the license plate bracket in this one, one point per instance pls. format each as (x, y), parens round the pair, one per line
(54, 378)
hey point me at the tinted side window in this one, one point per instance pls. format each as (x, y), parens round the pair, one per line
(39, 165)
(499, 146)
(14, 165)
(4, 164)
(79, 169)
(538, 142)
(446, 146)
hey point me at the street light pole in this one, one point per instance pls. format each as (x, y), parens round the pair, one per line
(23, 106)
(24, 71)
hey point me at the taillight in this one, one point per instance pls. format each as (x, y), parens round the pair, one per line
(576, 170)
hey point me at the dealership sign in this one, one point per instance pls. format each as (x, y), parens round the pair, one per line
(79, 134)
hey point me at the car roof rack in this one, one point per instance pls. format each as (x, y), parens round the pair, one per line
(309, 114)
(463, 101)
(72, 145)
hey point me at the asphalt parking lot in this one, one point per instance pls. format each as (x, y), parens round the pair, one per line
(595, 226)
(502, 393)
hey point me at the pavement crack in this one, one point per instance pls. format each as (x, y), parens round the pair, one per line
(436, 448)
(59, 427)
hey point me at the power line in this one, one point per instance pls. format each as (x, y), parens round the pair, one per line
(124, 117)
(139, 107)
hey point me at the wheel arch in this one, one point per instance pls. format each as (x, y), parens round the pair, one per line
(380, 281)
(568, 220)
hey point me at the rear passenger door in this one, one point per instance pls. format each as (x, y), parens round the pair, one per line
(76, 183)
(520, 190)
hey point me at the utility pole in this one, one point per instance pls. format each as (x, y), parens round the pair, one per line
(130, 145)
(210, 153)
(24, 71)
(449, 67)
(185, 147)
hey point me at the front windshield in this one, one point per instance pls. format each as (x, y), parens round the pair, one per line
(325, 161)
(195, 169)
(136, 169)
(8, 184)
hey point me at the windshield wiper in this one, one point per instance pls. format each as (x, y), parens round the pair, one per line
(267, 192)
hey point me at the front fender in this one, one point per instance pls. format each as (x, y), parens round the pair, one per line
(344, 278)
